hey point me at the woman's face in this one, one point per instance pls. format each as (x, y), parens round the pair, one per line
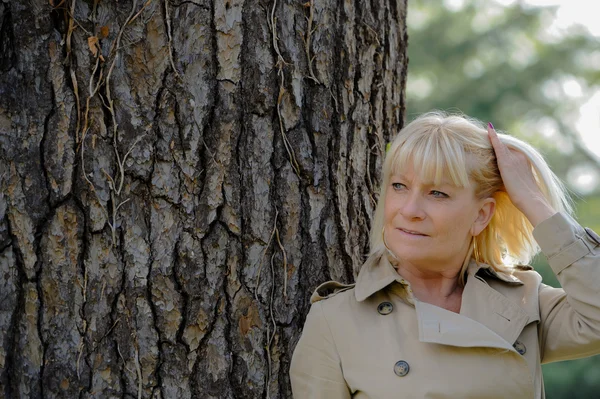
(430, 226)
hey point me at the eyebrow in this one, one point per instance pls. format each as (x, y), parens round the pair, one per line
(444, 182)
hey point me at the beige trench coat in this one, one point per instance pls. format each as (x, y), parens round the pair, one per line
(373, 339)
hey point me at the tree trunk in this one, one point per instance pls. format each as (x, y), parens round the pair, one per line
(176, 178)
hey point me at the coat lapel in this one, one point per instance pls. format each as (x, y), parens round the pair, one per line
(487, 317)
(440, 326)
(490, 308)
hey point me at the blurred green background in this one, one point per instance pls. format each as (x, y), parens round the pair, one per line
(513, 63)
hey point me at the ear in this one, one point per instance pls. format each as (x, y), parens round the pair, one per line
(484, 215)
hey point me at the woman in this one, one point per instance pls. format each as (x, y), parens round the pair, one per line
(442, 308)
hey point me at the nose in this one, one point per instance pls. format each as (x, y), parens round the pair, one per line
(412, 207)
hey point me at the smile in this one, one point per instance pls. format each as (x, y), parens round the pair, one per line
(412, 233)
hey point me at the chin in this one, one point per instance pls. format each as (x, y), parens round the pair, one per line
(413, 255)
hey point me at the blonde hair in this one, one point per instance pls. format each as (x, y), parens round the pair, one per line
(437, 146)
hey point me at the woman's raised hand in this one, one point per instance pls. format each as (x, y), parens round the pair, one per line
(519, 181)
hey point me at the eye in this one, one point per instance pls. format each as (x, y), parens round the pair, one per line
(398, 186)
(439, 194)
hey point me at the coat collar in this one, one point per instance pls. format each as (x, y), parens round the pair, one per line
(378, 272)
(483, 307)
(480, 269)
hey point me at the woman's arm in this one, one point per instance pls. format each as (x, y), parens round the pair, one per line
(569, 317)
(316, 371)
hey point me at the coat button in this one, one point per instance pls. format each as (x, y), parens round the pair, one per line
(385, 308)
(401, 368)
(520, 347)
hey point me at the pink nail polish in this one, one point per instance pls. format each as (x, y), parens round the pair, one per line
(490, 125)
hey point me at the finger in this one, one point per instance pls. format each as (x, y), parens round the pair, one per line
(499, 146)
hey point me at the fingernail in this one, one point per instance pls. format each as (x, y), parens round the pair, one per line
(490, 125)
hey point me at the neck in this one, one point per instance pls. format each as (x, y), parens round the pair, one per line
(440, 288)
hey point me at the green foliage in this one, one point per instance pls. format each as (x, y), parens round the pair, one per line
(588, 210)
(497, 64)
(572, 379)
(492, 64)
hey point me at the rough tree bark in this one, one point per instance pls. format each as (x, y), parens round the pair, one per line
(176, 178)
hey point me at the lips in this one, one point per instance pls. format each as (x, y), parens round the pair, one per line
(412, 232)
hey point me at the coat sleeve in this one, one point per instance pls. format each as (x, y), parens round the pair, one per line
(316, 371)
(569, 316)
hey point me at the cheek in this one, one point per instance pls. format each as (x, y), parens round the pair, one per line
(456, 225)
(388, 208)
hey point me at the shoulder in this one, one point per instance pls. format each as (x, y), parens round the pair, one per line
(520, 280)
(523, 268)
(526, 275)
(513, 276)
(330, 289)
(521, 284)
